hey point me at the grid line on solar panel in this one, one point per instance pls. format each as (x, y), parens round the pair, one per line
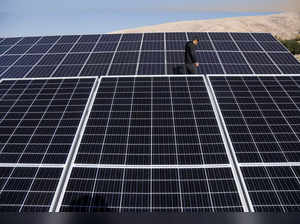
(32, 188)
(39, 118)
(210, 189)
(260, 114)
(108, 130)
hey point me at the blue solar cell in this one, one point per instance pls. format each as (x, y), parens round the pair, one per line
(207, 57)
(290, 69)
(272, 46)
(7, 60)
(175, 57)
(122, 69)
(38, 49)
(237, 69)
(132, 37)
(232, 58)
(220, 36)
(205, 46)
(210, 69)
(73, 59)
(107, 46)
(94, 70)
(249, 46)
(153, 45)
(16, 72)
(242, 37)
(41, 71)
(18, 49)
(100, 58)
(152, 57)
(151, 69)
(10, 41)
(263, 37)
(67, 70)
(154, 37)
(176, 36)
(83, 47)
(257, 58)
(110, 37)
(68, 39)
(126, 57)
(225, 46)
(29, 59)
(200, 36)
(51, 59)
(284, 58)
(89, 38)
(2, 69)
(129, 46)
(61, 48)
(265, 69)
(48, 40)
(175, 45)
(29, 40)
(3, 49)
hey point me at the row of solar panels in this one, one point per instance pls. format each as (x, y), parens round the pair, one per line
(150, 143)
(143, 54)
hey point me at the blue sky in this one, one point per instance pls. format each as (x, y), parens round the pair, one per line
(38, 17)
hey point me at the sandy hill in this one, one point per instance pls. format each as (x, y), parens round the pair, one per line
(284, 25)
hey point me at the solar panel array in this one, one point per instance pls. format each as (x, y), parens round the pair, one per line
(142, 137)
(261, 115)
(143, 54)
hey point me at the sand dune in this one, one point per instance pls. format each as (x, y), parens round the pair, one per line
(284, 25)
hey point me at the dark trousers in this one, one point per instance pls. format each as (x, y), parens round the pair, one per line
(191, 69)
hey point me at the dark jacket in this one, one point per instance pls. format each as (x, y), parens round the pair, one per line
(190, 53)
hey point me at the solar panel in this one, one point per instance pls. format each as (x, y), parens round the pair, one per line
(261, 115)
(158, 120)
(273, 188)
(28, 189)
(156, 190)
(39, 118)
(112, 50)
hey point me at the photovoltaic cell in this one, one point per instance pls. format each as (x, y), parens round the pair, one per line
(126, 57)
(199, 36)
(16, 72)
(273, 189)
(83, 47)
(157, 190)
(89, 38)
(94, 70)
(67, 71)
(131, 37)
(284, 58)
(290, 69)
(122, 69)
(152, 57)
(151, 69)
(129, 46)
(153, 46)
(257, 58)
(48, 39)
(107, 46)
(261, 115)
(3, 49)
(225, 46)
(40, 48)
(36, 117)
(273, 46)
(175, 36)
(18, 49)
(75, 59)
(152, 120)
(265, 69)
(175, 45)
(51, 59)
(249, 46)
(263, 37)
(27, 189)
(232, 58)
(61, 48)
(154, 37)
(41, 71)
(7, 60)
(237, 69)
(220, 36)
(110, 37)
(10, 41)
(242, 37)
(28, 40)
(68, 39)
(29, 59)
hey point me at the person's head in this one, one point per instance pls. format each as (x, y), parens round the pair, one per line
(196, 41)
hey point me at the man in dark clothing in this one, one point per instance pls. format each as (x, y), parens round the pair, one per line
(190, 59)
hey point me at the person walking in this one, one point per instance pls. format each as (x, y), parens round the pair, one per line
(190, 58)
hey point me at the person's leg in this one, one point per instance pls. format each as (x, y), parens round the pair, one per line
(191, 69)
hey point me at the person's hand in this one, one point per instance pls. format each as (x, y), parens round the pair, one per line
(197, 64)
